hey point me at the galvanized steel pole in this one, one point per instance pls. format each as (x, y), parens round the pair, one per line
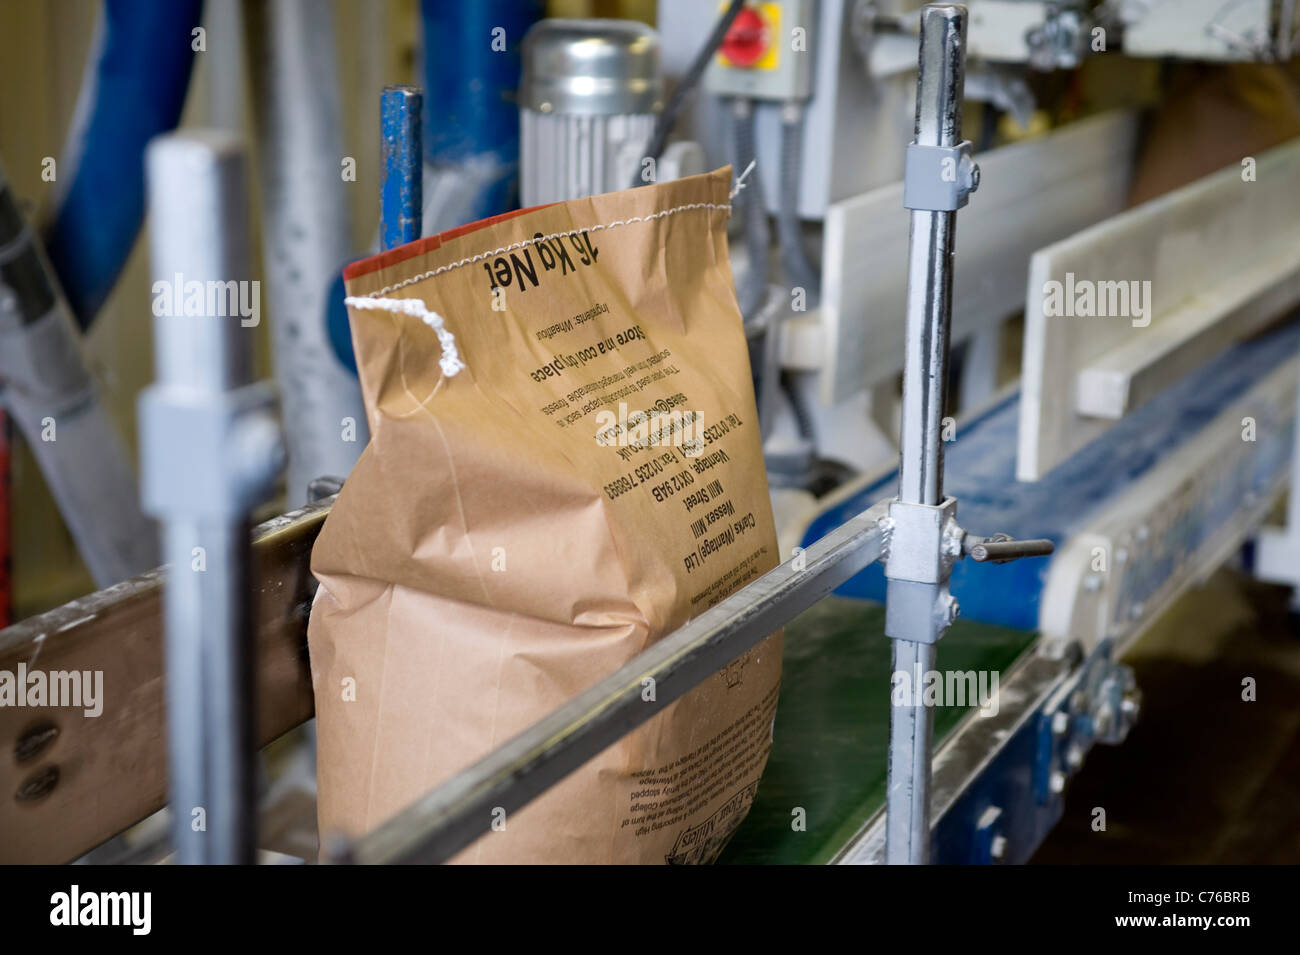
(210, 449)
(925, 384)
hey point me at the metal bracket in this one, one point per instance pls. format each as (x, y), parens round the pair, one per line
(939, 178)
(1100, 703)
(918, 613)
(211, 454)
(924, 542)
(921, 542)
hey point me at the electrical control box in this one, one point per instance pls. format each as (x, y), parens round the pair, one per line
(853, 123)
(766, 54)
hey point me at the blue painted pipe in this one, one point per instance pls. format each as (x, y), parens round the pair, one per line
(401, 207)
(401, 202)
(472, 64)
(138, 86)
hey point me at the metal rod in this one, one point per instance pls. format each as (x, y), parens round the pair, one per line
(306, 229)
(57, 405)
(998, 551)
(208, 450)
(911, 731)
(939, 88)
(210, 698)
(1285, 30)
(401, 208)
(966, 752)
(457, 812)
(929, 280)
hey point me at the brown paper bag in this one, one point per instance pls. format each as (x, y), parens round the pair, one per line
(517, 531)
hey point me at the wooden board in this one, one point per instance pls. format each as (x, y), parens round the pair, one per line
(1030, 194)
(69, 781)
(1222, 258)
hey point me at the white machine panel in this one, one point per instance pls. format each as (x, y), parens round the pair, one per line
(1196, 29)
(1200, 267)
(1091, 593)
(1030, 193)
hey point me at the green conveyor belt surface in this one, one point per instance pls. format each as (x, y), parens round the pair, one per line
(832, 727)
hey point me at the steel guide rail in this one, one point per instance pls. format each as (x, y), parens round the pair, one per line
(455, 814)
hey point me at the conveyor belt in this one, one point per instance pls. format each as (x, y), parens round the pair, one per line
(832, 727)
(829, 754)
(980, 473)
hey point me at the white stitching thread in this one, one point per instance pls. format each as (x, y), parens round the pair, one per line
(450, 360)
(740, 183)
(470, 260)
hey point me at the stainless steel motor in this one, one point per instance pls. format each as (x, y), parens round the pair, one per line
(587, 103)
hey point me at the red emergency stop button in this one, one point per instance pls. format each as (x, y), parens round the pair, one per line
(747, 40)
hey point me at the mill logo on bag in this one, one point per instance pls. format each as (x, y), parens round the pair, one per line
(550, 488)
(705, 842)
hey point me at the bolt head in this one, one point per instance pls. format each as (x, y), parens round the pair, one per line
(1104, 719)
(1130, 706)
(998, 847)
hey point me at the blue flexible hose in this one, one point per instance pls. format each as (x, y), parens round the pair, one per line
(135, 92)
